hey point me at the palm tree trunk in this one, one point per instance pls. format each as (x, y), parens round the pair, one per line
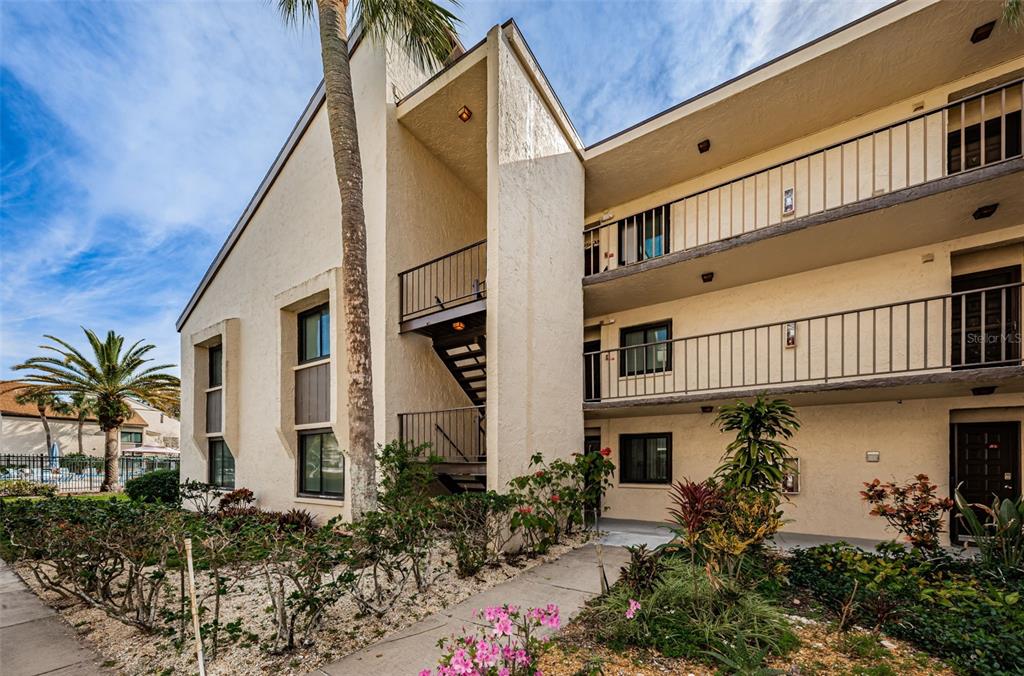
(111, 455)
(341, 116)
(46, 427)
(81, 425)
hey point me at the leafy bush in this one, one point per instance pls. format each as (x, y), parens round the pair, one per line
(643, 570)
(686, 613)
(478, 527)
(757, 458)
(913, 509)
(1000, 539)
(238, 498)
(24, 488)
(938, 603)
(158, 486)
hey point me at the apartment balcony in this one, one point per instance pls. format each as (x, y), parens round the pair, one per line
(458, 436)
(970, 148)
(446, 289)
(947, 345)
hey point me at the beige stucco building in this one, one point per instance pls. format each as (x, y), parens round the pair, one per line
(842, 226)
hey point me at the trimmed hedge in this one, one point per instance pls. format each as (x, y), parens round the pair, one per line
(159, 486)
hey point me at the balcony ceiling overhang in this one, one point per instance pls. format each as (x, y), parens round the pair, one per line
(889, 56)
(935, 218)
(430, 113)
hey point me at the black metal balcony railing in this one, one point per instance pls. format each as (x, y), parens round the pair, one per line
(455, 435)
(445, 282)
(968, 329)
(976, 131)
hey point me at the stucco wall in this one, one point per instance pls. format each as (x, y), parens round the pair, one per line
(534, 305)
(912, 437)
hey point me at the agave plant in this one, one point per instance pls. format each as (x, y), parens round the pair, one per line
(1000, 538)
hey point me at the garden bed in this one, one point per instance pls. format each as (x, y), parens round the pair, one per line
(345, 630)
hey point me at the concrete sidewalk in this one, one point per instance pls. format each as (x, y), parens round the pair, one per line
(569, 582)
(33, 639)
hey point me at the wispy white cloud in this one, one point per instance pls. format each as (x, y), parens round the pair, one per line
(135, 132)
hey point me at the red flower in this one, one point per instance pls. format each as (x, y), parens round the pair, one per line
(538, 473)
(555, 498)
(606, 451)
(526, 510)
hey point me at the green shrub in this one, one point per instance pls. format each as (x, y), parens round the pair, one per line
(686, 614)
(24, 488)
(946, 607)
(1000, 538)
(642, 571)
(478, 527)
(157, 486)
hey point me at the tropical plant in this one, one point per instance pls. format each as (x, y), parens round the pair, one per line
(642, 571)
(757, 458)
(1013, 13)
(425, 31)
(1000, 538)
(913, 509)
(110, 378)
(81, 406)
(46, 404)
(694, 505)
(478, 527)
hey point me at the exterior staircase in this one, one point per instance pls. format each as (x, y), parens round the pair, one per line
(465, 357)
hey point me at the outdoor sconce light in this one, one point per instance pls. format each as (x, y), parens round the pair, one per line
(458, 326)
(788, 201)
(982, 32)
(465, 113)
(607, 216)
(703, 146)
(985, 211)
(790, 334)
(707, 277)
(707, 409)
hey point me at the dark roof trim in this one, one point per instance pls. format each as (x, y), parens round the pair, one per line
(755, 69)
(301, 125)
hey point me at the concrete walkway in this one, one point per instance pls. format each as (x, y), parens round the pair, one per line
(33, 639)
(568, 582)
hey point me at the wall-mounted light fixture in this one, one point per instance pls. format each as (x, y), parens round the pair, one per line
(790, 334)
(707, 409)
(703, 146)
(465, 113)
(707, 277)
(982, 32)
(788, 201)
(985, 211)
(459, 326)
(928, 258)
(872, 456)
(607, 216)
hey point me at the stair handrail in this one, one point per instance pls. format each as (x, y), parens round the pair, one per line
(449, 440)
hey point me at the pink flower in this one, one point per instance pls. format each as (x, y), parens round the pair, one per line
(503, 626)
(606, 452)
(504, 672)
(555, 498)
(426, 672)
(633, 607)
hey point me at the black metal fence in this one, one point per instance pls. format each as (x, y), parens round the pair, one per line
(75, 474)
(448, 281)
(456, 435)
(962, 330)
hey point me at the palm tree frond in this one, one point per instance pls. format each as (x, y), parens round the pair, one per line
(1013, 13)
(425, 29)
(296, 11)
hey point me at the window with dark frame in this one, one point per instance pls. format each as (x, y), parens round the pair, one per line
(321, 465)
(645, 458)
(216, 373)
(645, 358)
(314, 334)
(133, 438)
(644, 235)
(221, 464)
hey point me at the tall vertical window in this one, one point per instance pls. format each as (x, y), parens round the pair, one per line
(645, 458)
(221, 464)
(216, 358)
(645, 235)
(322, 465)
(315, 334)
(638, 356)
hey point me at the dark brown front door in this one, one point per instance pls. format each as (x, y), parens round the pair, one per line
(592, 371)
(985, 462)
(985, 320)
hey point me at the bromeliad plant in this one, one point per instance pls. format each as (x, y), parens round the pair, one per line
(508, 647)
(1000, 538)
(913, 509)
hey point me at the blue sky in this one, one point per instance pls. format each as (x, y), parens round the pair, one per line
(132, 134)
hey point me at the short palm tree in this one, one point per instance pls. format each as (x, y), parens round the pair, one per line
(426, 31)
(81, 406)
(46, 404)
(109, 379)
